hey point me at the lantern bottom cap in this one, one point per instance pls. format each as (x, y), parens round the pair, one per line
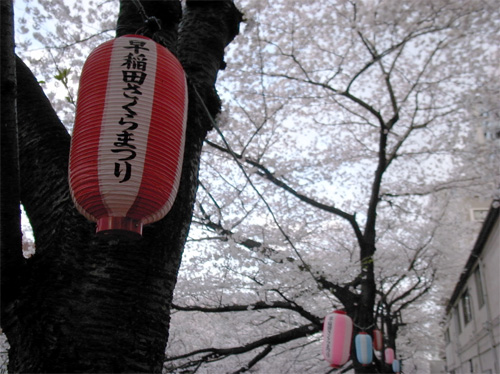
(121, 227)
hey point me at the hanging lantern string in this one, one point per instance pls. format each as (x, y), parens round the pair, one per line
(153, 24)
(364, 328)
(141, 9)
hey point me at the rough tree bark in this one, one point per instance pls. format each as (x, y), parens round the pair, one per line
(10, 243)
(10, 194)
(86, 305)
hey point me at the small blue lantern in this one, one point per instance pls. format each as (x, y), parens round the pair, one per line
(396, 366)
(364, 348)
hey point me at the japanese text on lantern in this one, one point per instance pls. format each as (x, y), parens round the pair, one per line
(134, 75)
(329, 336)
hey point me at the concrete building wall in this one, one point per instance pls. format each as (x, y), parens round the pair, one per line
(473, 319)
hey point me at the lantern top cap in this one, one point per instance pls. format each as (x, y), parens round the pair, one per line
(134, 36)
(339, 312)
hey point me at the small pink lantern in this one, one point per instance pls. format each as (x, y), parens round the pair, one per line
(128, 140)
(364, 348)
(377, 340)
(337, 337)
(389, 356)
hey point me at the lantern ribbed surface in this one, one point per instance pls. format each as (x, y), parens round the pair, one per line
(377, 340)
(389, 356)
(364, 349)
(337, 337)
(128, 139)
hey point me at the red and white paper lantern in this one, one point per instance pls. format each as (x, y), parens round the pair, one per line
(337, 337)
(389, 356)
(377, 340)
(364, 348)
(128, 140)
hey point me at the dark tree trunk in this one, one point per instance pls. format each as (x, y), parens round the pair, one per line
(11, 259)
(103, 306)
(366, 309)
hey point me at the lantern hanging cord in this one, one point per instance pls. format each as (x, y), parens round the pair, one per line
(364, 328)
(153, 24)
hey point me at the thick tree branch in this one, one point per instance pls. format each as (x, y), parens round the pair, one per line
(207, 27)
(44, 144)
(11, 261)
(266, 173)
(341, 292)
(256, 359)
(346, 297)
(260, 305)
(280, 338)
(168, 13)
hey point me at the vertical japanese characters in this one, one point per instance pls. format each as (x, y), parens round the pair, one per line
(135, 63)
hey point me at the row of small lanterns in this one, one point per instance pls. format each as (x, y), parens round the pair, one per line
(337, 340)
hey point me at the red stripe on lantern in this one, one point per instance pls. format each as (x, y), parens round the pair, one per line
(337, 337)
(128, 140)
(377, 340)
(84, 184)
(173, 84)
